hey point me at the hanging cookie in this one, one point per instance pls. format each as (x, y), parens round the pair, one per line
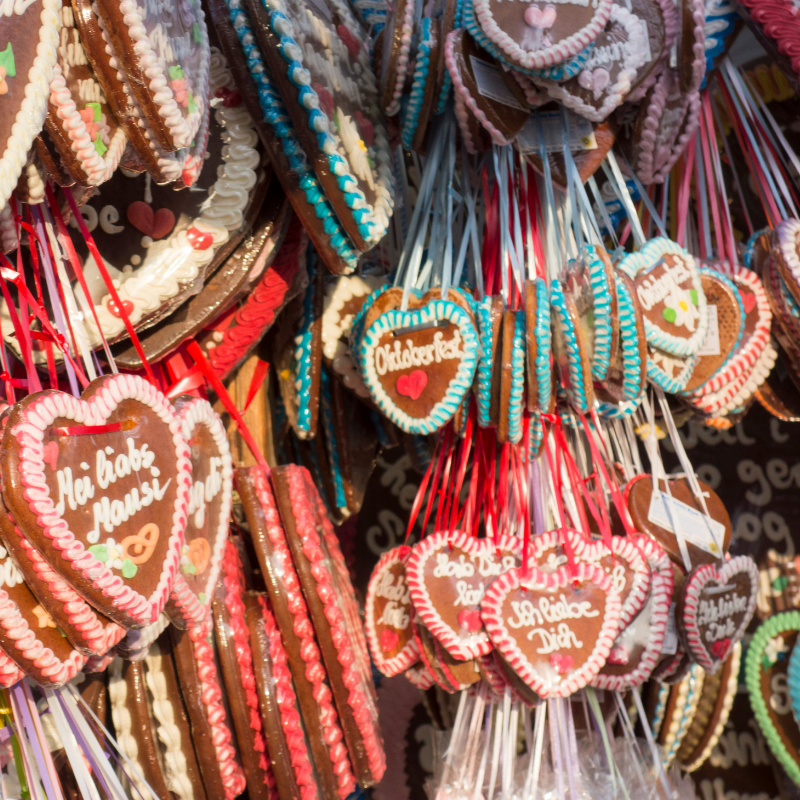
(119, 447)
(420, 102)
(538, 346)
(395, 55)
(678, 712)
(512, 378)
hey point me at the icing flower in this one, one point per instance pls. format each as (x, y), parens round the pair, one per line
(8, 67)
(96, 126)
(680, 308)
(111, 554)
(775, 650)
(187, 567)
(181, 92)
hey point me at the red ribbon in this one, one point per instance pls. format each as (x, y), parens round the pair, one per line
(259, 376)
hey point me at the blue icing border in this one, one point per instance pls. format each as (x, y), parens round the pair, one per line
(330, 438)
(544, 344)
(793, 679)
(747, 256)
(557, 72)
(649, 257)
(695, 686)
(661, 707)
(718, 26)
(629, 339)
(577, 390)
(445, 408)
(277, 117)
(619, 411)
(483, 393)
(302, 351)
(358, 320)
(791, 304)
(447, 81)
(671, 385)
(420, 80)
(603, 330)
(535, 434)
(292, 54)
(516, 396)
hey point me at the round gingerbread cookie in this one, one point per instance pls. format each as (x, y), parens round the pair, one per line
(80, 122)
(321, 68)
(28, 53)
(291, 612)
(236, 658)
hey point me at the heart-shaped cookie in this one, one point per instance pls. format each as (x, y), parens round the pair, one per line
(438, 340)
(766, 666)
(208, 512)
(388, 614)
(110, 518)
(448, 574)
(28, 43)
(668, 286)
(715, 608)
(556, 629)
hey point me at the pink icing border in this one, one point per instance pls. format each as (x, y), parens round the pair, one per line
(670, 14)
(436, 680)
(662, 584)
(558, 52)
(232, 579)
(99, 663)
(461, 647)
(694, 585)
(304, 630)
(466, 97)
(99, 637)
(410, 653)
(746, 355)
(211, 694)
(491, 610)
(691, 122)
(772, 16)
(462, 117)
(286, 700)
(699, 46)
(37, 415)
(184, 599)
(350, 653)
(402, 58)
(420, 676)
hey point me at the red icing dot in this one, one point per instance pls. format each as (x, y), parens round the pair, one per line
(113, 309)
(199, 240)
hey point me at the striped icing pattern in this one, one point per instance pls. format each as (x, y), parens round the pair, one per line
(422, 74)
(669, 383)
(302, 353)
(629, 343)
(544, 345)
(603, 330)
(577, 390)
(483, 393)
(689, 690)
(516, 399)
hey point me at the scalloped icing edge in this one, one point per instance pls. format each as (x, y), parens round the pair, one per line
(603, 329)
(418, 84)
(692, 589)
(575, 357)
(30, 436)
(506, 645)
(629, 343)
(483, 389)
(689, 691)
(406, 34)
(445, 408)
(544, 345)
(780, 623)
(517, 396)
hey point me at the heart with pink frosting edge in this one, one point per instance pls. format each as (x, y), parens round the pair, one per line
(105, 566)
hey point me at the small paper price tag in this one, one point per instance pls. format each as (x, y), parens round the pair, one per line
(711, 344)
(581, 133)
(491, 84)
(681, 519)
(670, 646)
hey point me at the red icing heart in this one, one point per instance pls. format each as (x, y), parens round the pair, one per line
(50, 454)
(748, 301)
(325, 99)
(562, 663)
(113, 309)
(411, 385)
(350, 41)
(719, 649)
(470, 620)
(389, 640)
(156, 224)
(199, 240)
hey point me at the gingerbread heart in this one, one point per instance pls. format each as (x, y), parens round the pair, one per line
(110, 518)
(715, 608)
(556, 629)
(388, 614)
(765, 671)
(448, 574)
(28, 45)
(670, 292)
(439, 341)
(208, 512)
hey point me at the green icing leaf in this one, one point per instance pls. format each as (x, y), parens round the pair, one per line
(100, 147)
(129, 569)
(196, 35)
(7, 61)
(669, 314)
(175, 73)
(202, 597)
(780, 583)
(192, 104)
(189, 569)
(96, 110)
(693, 296)
(100, 552)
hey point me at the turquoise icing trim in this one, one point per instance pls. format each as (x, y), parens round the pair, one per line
(721, 16)
(661, 707)
(621, 411)
(629, 337)
(332, 445)
(462, 429)
(356, 329)
(695, 686)
(791, 304)
(672, 385)
(421, 74)
(535, 434)
(602, 315)
(747, 257)
(648, 257)
(292, 54)
(277, 117)
(447, 82)
(484, 382)
(302, 351)
(793, 677)
(577, 390)
(445, 408)
(557, 72)
(516, 397)
(544, 344)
